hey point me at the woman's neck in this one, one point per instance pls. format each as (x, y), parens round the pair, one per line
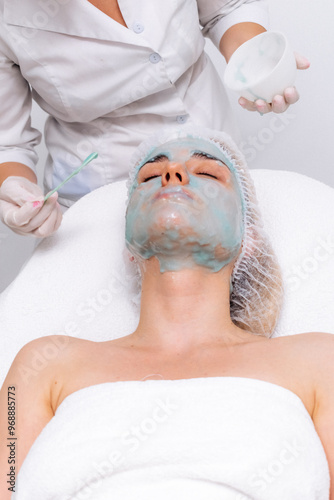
(186, 310)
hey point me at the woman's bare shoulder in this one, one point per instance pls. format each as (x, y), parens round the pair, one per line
(313, 340)
(44, 354)
(52, 345)
(310, 348)
(44, 343)
(315, 352)
(308, 340)
(318, 351)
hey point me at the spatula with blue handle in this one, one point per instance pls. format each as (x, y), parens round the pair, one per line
(84, 163)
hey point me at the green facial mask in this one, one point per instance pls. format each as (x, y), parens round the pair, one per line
(197, 222)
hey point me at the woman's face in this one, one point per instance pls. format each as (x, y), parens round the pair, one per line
(185, 208)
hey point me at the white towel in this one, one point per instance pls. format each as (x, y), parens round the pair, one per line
(215, 438)
(76, 282)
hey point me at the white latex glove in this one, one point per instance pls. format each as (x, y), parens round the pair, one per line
(280, 102)
(22, 208)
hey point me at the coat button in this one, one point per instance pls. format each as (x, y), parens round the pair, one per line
(137, 27)
(181, 119)
(155, 58)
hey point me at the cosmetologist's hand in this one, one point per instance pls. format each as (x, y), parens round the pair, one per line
(280, 102)
(22, 208)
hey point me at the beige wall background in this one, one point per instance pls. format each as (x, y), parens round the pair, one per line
(299, 140)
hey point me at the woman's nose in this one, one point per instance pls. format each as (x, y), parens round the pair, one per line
(175, 173)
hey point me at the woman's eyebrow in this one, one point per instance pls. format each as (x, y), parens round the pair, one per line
(206, 155)
(160, 157)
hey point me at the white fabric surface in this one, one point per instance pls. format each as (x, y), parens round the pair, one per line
(77, 282)
(250, 440)
(99, 84)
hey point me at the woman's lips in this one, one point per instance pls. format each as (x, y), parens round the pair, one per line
(174, 193)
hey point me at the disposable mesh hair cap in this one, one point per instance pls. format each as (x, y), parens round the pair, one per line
(257, 291)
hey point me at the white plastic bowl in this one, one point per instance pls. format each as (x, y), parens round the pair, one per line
(262, 67)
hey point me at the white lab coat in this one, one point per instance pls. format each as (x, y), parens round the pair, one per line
(107, 87)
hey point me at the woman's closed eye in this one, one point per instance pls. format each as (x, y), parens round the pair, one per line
(208, 166)
(150, 177)
(207, 174)
(161, 158)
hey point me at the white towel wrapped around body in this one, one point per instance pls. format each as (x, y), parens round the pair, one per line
(230, 438)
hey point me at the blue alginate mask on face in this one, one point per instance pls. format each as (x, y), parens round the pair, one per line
(195, 222)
